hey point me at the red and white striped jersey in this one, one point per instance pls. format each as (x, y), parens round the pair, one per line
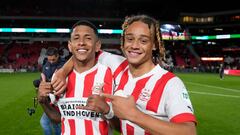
(117, 64)
(76, 121)
(158, 93)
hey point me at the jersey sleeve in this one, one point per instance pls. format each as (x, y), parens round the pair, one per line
(111, 60)
(116, 63)
(178, 104)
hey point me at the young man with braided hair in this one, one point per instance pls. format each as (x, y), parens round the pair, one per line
(154, 100)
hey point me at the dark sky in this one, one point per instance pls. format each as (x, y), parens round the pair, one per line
(167, 10)
(170, 9)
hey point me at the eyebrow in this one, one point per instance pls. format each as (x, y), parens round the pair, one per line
(88, 34)
(141, 35)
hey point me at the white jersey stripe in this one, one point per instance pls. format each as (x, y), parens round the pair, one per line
(80, 128)
(66, 128)
(79, 84)
(99, 78)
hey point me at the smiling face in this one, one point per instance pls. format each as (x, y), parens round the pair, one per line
(84, 43)
(138, 44)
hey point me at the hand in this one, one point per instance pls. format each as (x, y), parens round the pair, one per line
(58, 82)
(44, 89)
(123, 107)
(97, 103)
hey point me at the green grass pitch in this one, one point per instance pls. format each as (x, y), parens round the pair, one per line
(216, 103)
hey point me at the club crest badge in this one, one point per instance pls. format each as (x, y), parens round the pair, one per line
(97, 88)
(145, 95)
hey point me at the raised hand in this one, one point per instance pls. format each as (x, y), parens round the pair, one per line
(97, 103)
(58, 82)
(123, 107)
(44, 89)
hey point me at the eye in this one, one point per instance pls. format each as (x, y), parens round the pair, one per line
(75, 38)
(129, 39)
(144, 41)
(88, 38)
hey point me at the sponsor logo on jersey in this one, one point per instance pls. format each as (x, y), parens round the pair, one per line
(185, 94)
(189, 107)
(70, 108)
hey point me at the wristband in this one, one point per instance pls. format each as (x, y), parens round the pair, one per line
(110, 113)
(52, 98)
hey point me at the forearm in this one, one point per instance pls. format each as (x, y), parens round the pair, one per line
(67, 67)
(160, 127)
(51, 112)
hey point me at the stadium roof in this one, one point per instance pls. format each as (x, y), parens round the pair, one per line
(167, 10)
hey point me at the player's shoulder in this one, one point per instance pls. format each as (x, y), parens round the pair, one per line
(108, 55)
(166, 75)
(175, 82)
(111, 60)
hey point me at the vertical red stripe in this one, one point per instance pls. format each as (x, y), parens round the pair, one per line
(156, 95)
(103, 127)
(120, 68)
(88, 83)
(71, 85)
(88, 127)
(123, 81)
(139, 86)
(62, 126)
(108, 80)
(130, 129)
(72, 126)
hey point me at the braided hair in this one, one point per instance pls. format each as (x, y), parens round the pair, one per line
(153, 24)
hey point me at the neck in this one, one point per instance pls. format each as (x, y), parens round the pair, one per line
(81, 67)
(139, 70)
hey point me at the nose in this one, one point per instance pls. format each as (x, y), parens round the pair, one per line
(135, 44)
(81, 42)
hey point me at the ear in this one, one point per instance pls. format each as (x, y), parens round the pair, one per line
(98, 46)
(70, 46)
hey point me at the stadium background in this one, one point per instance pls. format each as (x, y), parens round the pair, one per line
(198, 29)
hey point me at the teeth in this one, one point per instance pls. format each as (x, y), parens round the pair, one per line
(82, 50)
(134, 53)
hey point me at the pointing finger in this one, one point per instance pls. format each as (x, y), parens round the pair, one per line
(109, 96)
